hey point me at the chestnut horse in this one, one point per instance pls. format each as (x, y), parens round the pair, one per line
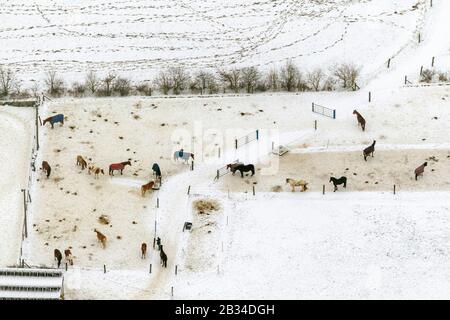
(46, 167)
(143, 250)
(54, 119)
(68, 255)
(118, 166)
(81, 162)
(369, 150)
(147, 187)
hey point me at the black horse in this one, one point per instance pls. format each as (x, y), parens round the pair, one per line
(156, 171)
(242, 168)
(163, 257)
(336, 182)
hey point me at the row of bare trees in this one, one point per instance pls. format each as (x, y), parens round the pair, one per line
(177, 80)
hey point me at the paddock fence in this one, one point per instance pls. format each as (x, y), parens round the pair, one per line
(246, 139)
(223, 170)
(327, 112)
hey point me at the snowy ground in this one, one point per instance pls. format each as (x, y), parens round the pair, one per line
(361, 242)
(15, 150)
(132, 36)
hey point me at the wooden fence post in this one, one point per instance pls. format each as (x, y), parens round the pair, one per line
(176, 269)
(419, 38)
(189, 190)
(150, 269)
(192, 165)
(25, 213)
(219, 152)
(394, 188)
(253, 190)
(104, 268)
(157, 202)
(323, 189)
(389, 63)
(315, 124)
(172, 291)
(154, 240)
(432, 62)
(421, 70)
(235, 143)
(370, 96)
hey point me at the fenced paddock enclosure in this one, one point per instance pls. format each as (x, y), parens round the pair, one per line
(327, 112)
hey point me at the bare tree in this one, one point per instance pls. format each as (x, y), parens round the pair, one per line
(427, 75)
(201, 80)
(347, 73)
(289, 76)
(329, 83)
(7, 81)
(55, 84)
(273, 80)
(180, 78)
(314, 79)
(144, 88)
(230, 78)
(212, 85)
(91, 81)
(164, 82)
(122, 86)
(106, 85)
(250, 77)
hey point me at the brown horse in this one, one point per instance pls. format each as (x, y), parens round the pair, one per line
(81, 162)
(101, 237)
(96, 171)
(143, 250)
(68, 255)
(361, 120)
(46, 167)
(118, 166)
(420, 170)
(58, 256)
(146, 187)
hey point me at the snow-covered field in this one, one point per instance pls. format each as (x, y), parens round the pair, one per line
(138, 38)
(15, 150)
(360, 242)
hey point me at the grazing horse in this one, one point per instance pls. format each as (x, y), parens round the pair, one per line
(143, 250)
(163, 257)
(297, 183)
(96, 171)
(232, 166)
(54, 119)
(182, 155)
(101, 237)
(242, 168)
(361, 120)
(336, 182)
(146, 187)
(58, 256)
(68, 255)
(46, 167)
(81, 162)
(420, 170)
(369, 150)
(118, 166)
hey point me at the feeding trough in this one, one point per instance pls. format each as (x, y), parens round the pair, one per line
(187, 226)
(281, 150)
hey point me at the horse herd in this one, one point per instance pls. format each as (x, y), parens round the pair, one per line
(369, 151)
(93, 169)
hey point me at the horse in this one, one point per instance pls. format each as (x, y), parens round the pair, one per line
(101, 237)
(420, 170)
(361, 120)
(46, 167)
(81, 162)
(54, 119)
(242, 168)
(232, 166)
(163, 257)
(369, 150)
(143, 250)
(118, 166)
(297, 183)
(156, 171)
(336, 182)
(146, 187)
(158, 243)
(96, 171)
(58, 256)
(182, 155)
(68, 255)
